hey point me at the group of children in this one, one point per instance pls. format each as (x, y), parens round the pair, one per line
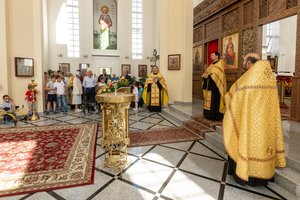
(56, 96)
(137, 90)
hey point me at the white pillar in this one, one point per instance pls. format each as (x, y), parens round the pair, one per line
(24, 39)
(4, 84)
(176, 37)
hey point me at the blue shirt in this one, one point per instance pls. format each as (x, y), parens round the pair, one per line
(141, 90)
(89, 82)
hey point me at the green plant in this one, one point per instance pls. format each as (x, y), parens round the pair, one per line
(49, 72)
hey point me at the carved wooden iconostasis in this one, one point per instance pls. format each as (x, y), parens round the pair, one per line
(224, 19)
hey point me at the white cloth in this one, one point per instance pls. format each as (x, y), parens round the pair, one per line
(77, 91)
(6, 105)
(60, 88)
(135, 91)
(76, 100)
(101, 84)
(77, 87)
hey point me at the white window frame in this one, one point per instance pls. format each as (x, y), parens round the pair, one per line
(73, 28)
(137, 29)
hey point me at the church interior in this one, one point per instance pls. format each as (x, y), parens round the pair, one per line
(117, 149)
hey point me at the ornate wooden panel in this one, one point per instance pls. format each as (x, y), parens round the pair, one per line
(230, 20)
(291, 3)
(263, 8)
(248, 12)
(198, 35)
(210, 7)
(274, 6)
(212, 29)
(248, 45)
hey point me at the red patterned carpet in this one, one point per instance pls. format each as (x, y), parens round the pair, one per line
(46, 158)
(206, 122)
(162, 136)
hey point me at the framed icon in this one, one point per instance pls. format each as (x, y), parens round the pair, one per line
(24, 67)
(83, 67)
(174, 62)
(230, 45)
(64, 67)
(126, 67)
(107, 69)
(142, 70)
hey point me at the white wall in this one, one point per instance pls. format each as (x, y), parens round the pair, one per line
(4, 84)
(21, 35)
(176, 37)
(283, 43)
(196, 2)
(287, 41)
(86, 37)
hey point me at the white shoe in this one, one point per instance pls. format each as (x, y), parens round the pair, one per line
(78, 110)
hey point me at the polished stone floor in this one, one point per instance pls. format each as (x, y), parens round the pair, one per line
(188, 170)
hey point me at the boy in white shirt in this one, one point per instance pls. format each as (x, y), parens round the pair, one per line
(60, 91)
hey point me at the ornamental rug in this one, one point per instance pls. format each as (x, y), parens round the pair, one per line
(162, 136)
(206, 122)
(44, 158)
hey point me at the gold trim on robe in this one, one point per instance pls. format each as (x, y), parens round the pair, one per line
(217, 74)
(252, 124)
(155, 90)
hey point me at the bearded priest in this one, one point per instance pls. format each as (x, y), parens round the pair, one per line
(155, 94)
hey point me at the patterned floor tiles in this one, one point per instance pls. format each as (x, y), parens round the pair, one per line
(186, 170)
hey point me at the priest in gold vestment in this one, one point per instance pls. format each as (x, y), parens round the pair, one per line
(214, 88)
(252, 125)
(155, 92)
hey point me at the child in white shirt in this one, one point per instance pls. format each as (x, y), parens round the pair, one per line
(60, 91)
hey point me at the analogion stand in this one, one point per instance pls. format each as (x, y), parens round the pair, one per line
(282, 80)
(115, 138)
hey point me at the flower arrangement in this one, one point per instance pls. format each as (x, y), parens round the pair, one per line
(113, 86)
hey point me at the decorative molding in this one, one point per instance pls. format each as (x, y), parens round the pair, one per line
(230, 20)
(273, 6)
(210, 7)
(212, 29)
(248, 15)
(263, 8)
(105, 55)
(198, 35)
(291, 3)
(248, 45)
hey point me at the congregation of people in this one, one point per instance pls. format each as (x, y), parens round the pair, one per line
(78, 91)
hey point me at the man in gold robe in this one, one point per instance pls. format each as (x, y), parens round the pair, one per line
(214, 88)
(252, 125)
(155, 92)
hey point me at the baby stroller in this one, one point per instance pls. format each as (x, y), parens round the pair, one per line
(89, 100)
(8, 116)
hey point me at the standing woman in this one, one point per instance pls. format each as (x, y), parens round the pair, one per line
(77, 91)
(214, 88)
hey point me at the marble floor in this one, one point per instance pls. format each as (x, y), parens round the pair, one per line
(187, 170)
